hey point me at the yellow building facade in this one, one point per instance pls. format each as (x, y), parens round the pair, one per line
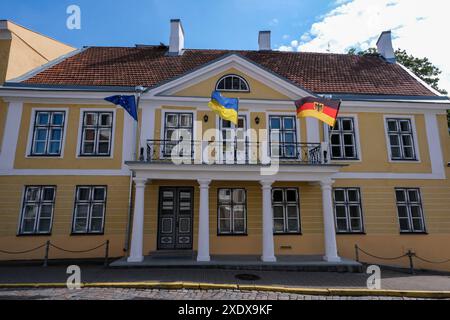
(378, 180)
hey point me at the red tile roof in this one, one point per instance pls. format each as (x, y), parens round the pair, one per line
(150, 66)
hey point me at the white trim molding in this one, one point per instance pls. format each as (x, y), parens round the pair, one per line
(10, 136)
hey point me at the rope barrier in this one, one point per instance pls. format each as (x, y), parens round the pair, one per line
(382, 258)
(77, 251)
(410, 254)
(48, 244)
(22, 252)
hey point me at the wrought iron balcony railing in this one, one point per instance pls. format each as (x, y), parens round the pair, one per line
(232, 152)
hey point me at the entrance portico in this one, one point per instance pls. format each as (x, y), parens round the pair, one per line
(204, 175)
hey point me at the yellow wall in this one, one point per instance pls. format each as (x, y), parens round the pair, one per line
(70, 160)
(23, 50)
(11, 196)
(258, 90)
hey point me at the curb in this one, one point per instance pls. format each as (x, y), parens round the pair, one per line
(212, 286)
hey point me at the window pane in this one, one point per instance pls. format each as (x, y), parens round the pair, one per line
(88, 147)
(105, 119)
(339, 195)
(354, 211)
(394, 140)
(416, 212)
(408, 152)
(239, 212)
(171, 120)
(275, 123)
(186, 120)
(292, 212)
(402, 212)
(103, 148)
(418, 225)
(407, 140)
(48, 194)
(277, 195)
(90, 119)
(348, 139)
(80, 225)
(89, 134)
(353, 195)
(46, 211)
(30, 212)
(41, 134)
(54, 148)
(413, 196)
(400, 194)
(239, 225)
(356, 224)
(28, 226)
(104, 134)
(96, 225)
(39, 147)
(335, 139)
(84, 194)
(224, 212)
(342, 225)
(99, 194)
(404, 224)
(239, 196)
(43, 118)
(82, 210)
(289, 123)
(44, 225)
(395, 152)
(278, 225)
(347, 124)
(97, 211)
(392, 125)
(58, 119)
(340, 212)
(278, 212)
(228, 83)
(32, 194)
(225, 226)
(405, 126)
(291, 195)
(224, 195)
(293, 225)
(336, 152)
(349, 152)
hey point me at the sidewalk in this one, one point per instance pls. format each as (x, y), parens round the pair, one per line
(391, 280)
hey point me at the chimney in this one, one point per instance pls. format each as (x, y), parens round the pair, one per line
(176, 41)
(264, 41)
(385, 48)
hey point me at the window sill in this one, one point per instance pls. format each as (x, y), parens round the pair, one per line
(44, 156)
(94, 156)
(232, 234)
(74, 234)
(350, 233)
(410, 233)
(288, 234)
(25, 235)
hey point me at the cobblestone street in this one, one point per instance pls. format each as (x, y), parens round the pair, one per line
(143, 294)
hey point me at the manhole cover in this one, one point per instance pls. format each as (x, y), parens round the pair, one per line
(247, 277)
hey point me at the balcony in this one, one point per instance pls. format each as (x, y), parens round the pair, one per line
(233, 152)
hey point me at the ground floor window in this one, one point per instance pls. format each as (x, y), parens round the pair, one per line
(410, 213)
(232, 211)
(89, 211)
(347, 210)
(37, 210)
(285, 204)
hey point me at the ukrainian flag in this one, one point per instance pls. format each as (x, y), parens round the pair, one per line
(226, 108)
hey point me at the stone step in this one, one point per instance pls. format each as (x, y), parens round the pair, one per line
(173, 254)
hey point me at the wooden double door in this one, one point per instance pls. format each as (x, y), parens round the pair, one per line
(175, 218)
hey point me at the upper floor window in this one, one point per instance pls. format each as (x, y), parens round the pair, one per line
(232, 82)
(286, 218)
(283, 136)
(343, 140)
(89, 212)
(48, 133)
(409, 207)
(37, 210)
(347, 210)
(96, 133)
(177, 126)
(401, 139)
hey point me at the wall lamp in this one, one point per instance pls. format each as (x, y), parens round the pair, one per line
(205, 118)
(257, 120)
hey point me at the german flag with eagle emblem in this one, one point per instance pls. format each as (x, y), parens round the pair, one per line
(325, 110)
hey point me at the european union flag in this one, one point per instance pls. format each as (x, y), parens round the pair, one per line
(127, 102)
(226, 108)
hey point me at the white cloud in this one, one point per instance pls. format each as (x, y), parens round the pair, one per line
(420, 27)
(273, 22)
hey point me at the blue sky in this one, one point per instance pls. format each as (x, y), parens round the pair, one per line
(230, 24)
(296, 25)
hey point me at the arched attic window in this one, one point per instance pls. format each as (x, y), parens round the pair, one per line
(232, 82)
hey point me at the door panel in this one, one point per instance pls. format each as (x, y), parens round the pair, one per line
(175, 218)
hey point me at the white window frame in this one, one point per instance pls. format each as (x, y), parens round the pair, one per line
(80, 133)
(231, 204)
(282, 114)
(232, 90)
(285, 204)
(244, 114)
(347, 203)
(327, 130)
(28, 150)
(91, 202)
(163, 127)
(40, 202)
(407, 203)
(412, 119)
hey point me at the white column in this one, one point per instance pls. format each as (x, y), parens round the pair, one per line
(268, 246)
(328, 222)
(137, 235)
(11, 133)
(312, 130)
(203, 225)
